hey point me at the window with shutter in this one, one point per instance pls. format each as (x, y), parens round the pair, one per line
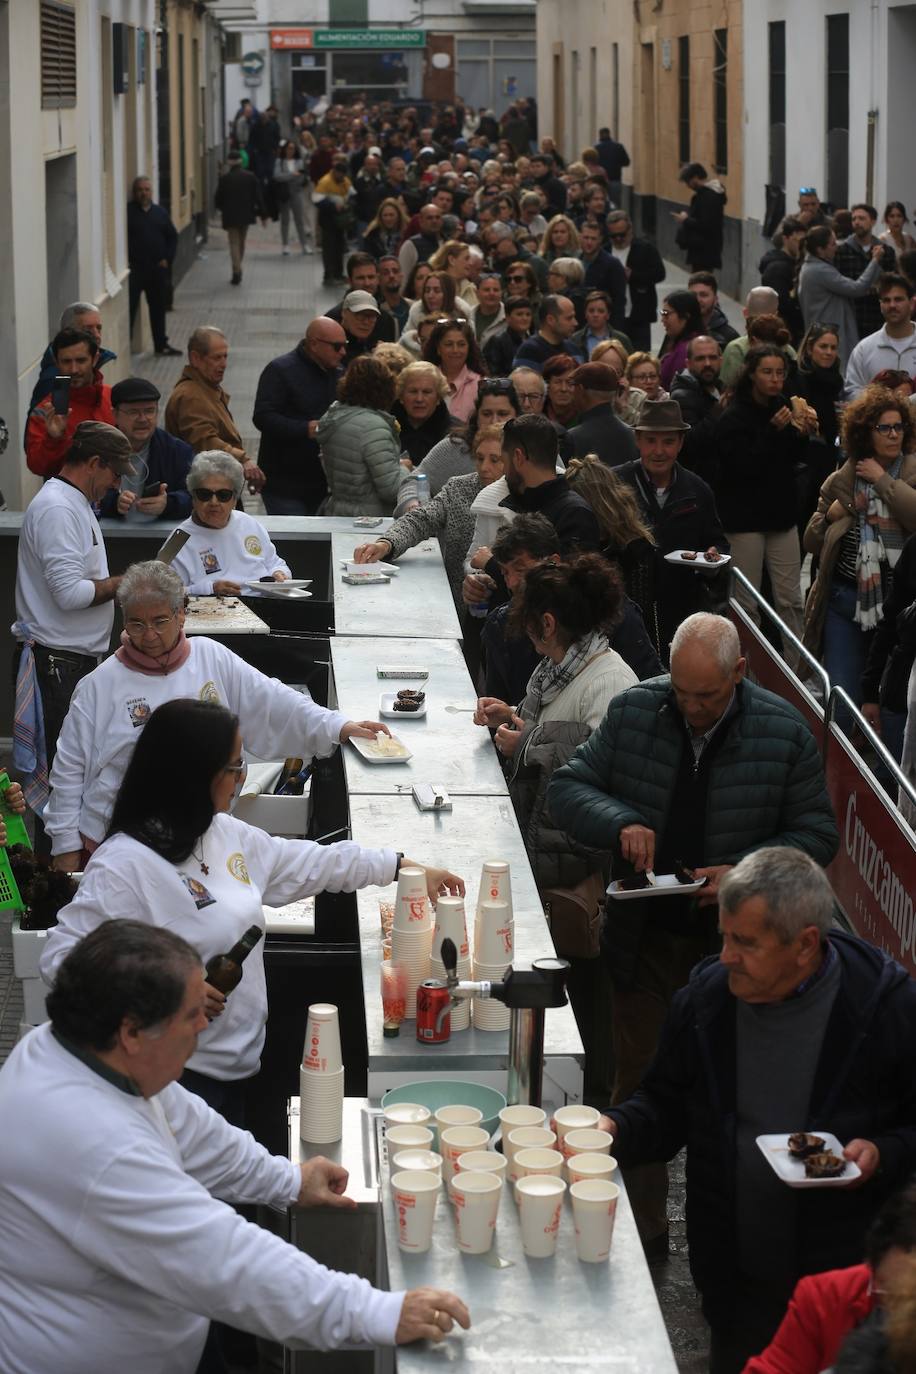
(58, 56)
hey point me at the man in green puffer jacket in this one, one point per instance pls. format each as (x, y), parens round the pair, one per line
(699, 767)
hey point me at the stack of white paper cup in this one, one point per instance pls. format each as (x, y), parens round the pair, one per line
(494, 884)
(540, 1202)
(526, 1138)
(412, 932)
(594, 1204)
(321, 1077)
(457, 1141)
(494, 945)
(573, 1118)
(415, 1193)
(451, 924)
(476, 1198)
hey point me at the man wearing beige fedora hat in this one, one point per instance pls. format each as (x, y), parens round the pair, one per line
(681, 510)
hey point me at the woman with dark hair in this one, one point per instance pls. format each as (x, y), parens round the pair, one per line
(413, 287)
(895, 236)
(454, 349)
(288, 185)
(825, 294)
(496, 403)
(865, 512)
(681, 321)
(819, 379)
(560, 405)
(566, 610)
(420, 409)
(384, 233)
(437, 297)
(360, 445)
(521, 280)
(174, 857)
(760, 442)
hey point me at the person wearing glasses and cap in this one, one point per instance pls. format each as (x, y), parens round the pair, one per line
(226, 548)
(294, 391)
(160, 459)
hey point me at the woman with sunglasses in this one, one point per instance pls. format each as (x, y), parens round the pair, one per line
(456, 352)
(156, 662)
(175, 857)
(521, 280)
(226, 548)
(865, 512)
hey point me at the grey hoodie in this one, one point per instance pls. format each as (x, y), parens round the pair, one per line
(826, 297)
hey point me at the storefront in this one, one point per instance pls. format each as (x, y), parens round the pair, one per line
(339, 65)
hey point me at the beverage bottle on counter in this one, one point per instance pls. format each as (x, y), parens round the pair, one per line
(422, 488)
(224, 971)
(290, 769)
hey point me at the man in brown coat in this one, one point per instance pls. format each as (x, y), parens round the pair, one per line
(198, 408)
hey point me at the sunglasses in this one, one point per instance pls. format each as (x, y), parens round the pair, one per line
(204, 495)
(333, 343)
(494, 386)
(618, 238)
(890, 429)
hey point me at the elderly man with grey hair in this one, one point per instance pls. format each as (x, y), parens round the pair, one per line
(198, 408)
(795, 1026)
(696, 768)
(760, 300)
(78, 315)
(226, 549)
(156, 663)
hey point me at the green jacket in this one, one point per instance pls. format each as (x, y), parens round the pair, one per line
(360, 451)
(766, 783)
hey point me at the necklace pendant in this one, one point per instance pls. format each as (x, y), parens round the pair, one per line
(204, 868)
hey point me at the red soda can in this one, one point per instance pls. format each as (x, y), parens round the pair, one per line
(432, 996)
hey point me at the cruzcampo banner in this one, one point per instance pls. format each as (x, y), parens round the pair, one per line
(376, 39)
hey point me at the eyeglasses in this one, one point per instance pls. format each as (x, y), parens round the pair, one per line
(136, 628)
(663, 314)
(618, 238)
(204, 495)
(896, 428)
(237, 768)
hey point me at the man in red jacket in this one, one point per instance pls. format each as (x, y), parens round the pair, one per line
(49, 435)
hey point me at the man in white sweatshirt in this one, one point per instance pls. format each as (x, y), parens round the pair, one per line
(116, 1247)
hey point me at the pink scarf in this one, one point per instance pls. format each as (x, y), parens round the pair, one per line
(166, 663)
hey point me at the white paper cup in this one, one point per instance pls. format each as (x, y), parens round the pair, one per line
(514, 1118)
(451, 925)
(482, 1162)
(457, 1115)
(411, 906)
(494, 937)
(415, 1193)
(495, 885)
(526, 1138)
(536, 1161)
(406, 1114)
(488, 1014)
(582, 1167)
(588, 1142)
(427, 1161)
(458, 1140)
(321, 1051)
(476, 1198)
(320, 1107)
(594, 1204)
(574, 1118)
(540, 1202)
(409, 1138)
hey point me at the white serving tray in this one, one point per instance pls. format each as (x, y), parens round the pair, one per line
(699, 562)
(289, 582)
(665, 885)
(350, 565)
(775, 1151)
(386, 708)
(368, 748)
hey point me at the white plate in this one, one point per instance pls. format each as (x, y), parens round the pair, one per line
(699, 562)
(284, 592)
(665, 884)
(386, 707)
(775, 1151)
(369, 750)
(290, 582)
(350, 566)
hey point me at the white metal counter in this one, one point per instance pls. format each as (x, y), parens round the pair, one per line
(417, 601)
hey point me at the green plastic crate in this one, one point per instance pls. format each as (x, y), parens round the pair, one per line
(16, 833)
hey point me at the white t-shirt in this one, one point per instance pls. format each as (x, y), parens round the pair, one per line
(241, 552)
(212, 910)
(111, 705)
(61, 556)
(115, 1251)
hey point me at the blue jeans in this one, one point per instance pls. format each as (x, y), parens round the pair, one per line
(845, 644)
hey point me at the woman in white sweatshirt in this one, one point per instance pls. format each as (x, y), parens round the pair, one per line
(156, 662)
(176, 858)
(565, 609)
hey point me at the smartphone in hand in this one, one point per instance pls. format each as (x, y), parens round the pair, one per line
(60, 396)
(151, 489)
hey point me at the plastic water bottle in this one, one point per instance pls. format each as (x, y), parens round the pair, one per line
(480, 609)
(422, 488)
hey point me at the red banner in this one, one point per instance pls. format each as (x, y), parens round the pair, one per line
(291, 39)
(874, 873)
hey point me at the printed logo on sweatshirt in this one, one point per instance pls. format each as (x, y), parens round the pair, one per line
(209, 693)
(253, 545)
(198, 892)
(139, 711)
(209, 561)
(237, 867)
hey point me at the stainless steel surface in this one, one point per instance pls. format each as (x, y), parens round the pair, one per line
(447, 750)
(526, 1056)
(534, 1316)
(357, 1150)
(304, 527)
(477, 828)
(418, 599)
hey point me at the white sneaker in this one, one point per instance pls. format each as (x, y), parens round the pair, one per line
(307, 249)
(286, 250)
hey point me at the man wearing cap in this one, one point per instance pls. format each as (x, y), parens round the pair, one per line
(359, 315)
(158, 458)
(64, 614)
(363, 276)
(681, 510)
(333, 194)
(598, 429)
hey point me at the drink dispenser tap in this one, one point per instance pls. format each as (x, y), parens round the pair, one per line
(528, 993)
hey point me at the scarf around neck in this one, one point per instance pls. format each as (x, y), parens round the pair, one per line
(880, 542)
(160, 666)
(549, 679)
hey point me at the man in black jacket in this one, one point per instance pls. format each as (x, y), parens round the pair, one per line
(613, 157)
(530, 457)
(696, 390)
(700, 226)
(152, 241)
(705, 287)
(603, 272)
(644, 268)
(500, 349)
(794, 1027)
(681, 510)
(239, 200)
(542, 170)
(294, 391)
(597, 429)
(778, 268)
